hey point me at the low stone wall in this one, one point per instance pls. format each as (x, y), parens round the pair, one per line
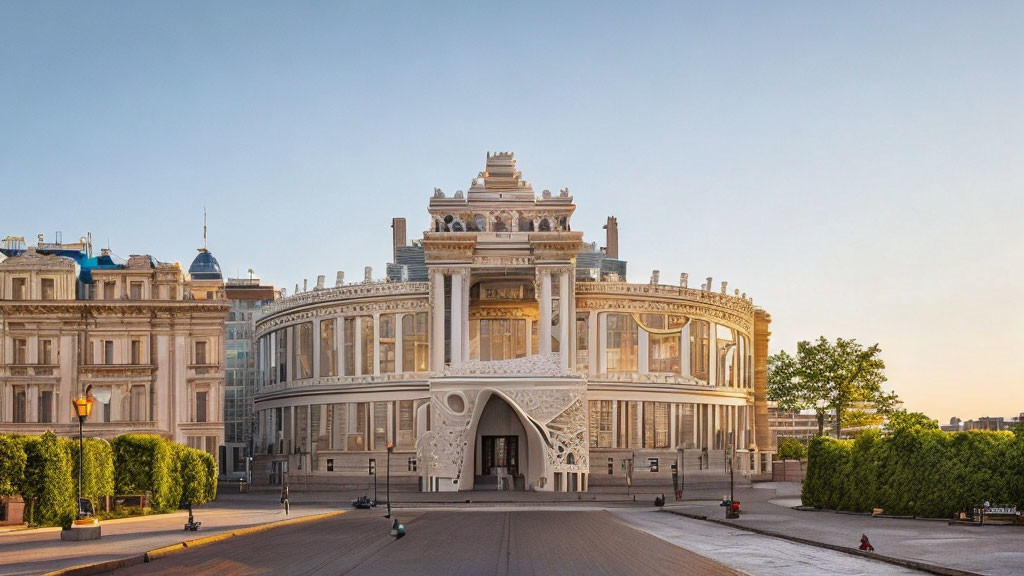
(789, 470)
(13, 512)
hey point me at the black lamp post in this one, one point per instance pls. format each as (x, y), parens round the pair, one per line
(391, 446)
(83, 407)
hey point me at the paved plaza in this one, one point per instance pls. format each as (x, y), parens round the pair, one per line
(515, 533)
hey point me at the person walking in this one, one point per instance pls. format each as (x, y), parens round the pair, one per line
(284, 499)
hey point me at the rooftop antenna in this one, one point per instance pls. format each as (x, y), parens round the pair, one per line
(204, 228)
(250, 273)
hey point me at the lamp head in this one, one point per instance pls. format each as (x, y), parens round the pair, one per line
(391, 446)
(83, 406)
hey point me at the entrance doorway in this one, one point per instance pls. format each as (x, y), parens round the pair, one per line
(499, 454)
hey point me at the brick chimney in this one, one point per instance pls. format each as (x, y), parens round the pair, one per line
(612, 238)
(398, 237)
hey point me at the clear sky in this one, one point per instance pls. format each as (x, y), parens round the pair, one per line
(857, 167)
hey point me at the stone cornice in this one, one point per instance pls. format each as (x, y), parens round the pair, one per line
(556, 245)
(700, 304)
(410, 304)
(112, 307)
(365, 290)
(449, 246)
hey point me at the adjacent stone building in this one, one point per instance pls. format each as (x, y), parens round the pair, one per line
(142, 337)
(502, 351)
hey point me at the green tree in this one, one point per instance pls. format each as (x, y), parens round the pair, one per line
(791, 449)
(12, 464)
(900, 420)
(830, 379)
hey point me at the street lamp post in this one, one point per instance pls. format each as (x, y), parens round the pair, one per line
(83, 407)
(391, 447)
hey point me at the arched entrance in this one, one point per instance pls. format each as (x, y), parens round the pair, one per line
(506, 450)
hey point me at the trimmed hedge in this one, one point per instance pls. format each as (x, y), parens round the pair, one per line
(172, 473)
(98, 465)
(12, 464)
(146, 463)
(44, 470)
(915, 471)
(791, 449)
(47, 486)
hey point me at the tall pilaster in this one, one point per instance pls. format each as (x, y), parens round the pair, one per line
(762, 322)
(437, 323)
(545, 311)
(457, 317)
(565, 320)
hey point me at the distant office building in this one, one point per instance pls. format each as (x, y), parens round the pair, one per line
(247, 298)
(142, 337)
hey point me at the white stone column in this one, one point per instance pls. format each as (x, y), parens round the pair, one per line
(376, 344)
(529, 337)
(457, 319)
(592, 346)
(565, 320)
(545, 312)
(339, 344)
(684, 350)
(601, 359)
(398, 343)
(643, 351)
(316, 348)
(713, 355)
(357, 345)
(437, 324)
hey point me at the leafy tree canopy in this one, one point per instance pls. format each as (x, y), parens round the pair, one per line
(839, 378)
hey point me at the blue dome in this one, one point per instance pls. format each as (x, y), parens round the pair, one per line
(205, 267)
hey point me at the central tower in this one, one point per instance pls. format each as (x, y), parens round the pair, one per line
(507, 404)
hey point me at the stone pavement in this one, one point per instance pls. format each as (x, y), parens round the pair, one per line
(464, 542)
(41, 550)
(994, 550)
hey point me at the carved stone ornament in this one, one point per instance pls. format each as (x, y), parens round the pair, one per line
(538, 365)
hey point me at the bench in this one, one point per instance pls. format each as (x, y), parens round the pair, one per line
(998, 514)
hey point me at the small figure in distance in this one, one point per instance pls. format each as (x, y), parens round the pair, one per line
(284, 499)
(865, 544)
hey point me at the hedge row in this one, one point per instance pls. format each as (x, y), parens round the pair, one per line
(916, 472)
(44, 470)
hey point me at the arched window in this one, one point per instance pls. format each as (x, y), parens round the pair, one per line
(525, 224)
(563, 223)
(457, 227)
(545, 226)
(448, 220)
(500, 223)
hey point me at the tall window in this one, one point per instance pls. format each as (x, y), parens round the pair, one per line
(406, 425)
(663, 342)
(699, 331)
(358, 415)
(46, 351)
(282, 355)
(622, 343)
(415, 349)
(656, 423)
(583, 343)
(201, 406)
(387, 343)
(200, 352)
(727, 357)
(46, 406)
(20, 351)
(328, 349)
(136, 290)
(497, 339)
(137, 408)
(19, 288)
(48, 290)
(136, 351)
(108, 351)
(601, 424)
(366, 339)
(108, 290)
(380, 425)
(304, 351)
(20, 404)
(349, 327)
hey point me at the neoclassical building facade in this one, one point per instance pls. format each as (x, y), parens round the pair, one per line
(143, 338)
(503, 351)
